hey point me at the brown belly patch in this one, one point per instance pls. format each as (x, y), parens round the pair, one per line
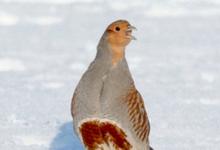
(95, 133)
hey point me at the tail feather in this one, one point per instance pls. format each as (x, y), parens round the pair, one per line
(95, 134)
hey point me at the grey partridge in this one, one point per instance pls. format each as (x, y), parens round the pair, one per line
(108, 111)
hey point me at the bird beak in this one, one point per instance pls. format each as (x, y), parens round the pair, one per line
(129, 30)
(132, 27)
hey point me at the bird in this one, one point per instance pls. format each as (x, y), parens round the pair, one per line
(107, 109)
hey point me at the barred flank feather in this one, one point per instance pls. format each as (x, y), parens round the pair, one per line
(137, 114)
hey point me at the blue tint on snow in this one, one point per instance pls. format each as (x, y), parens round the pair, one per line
(66, 139)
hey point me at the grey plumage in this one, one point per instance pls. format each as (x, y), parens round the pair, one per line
(102, 92)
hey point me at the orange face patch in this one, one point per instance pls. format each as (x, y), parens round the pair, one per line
(118, 33)
(95, 133)
(118, 37)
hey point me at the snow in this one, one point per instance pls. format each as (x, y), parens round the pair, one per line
(209, 77)
(8, 19)
(45, 20)
(8, 64)
(46, 45)
(30, 140)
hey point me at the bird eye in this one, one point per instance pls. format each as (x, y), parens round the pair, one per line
(117, 29)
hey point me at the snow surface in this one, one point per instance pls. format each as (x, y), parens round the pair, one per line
(46, 45)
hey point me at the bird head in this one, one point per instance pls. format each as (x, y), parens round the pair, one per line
(119, 33)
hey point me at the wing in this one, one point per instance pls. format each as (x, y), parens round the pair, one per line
(137, 114)
(73, 105)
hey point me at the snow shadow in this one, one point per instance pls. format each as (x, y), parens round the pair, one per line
(66, 139)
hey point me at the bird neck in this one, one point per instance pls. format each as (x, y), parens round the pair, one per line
(109, 52)
(117, 53)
